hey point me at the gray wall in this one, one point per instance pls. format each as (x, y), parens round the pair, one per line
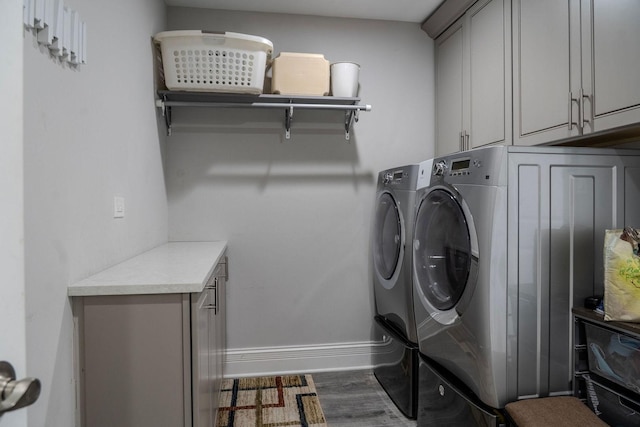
(297, 213)
(89, 134)
(13, 346)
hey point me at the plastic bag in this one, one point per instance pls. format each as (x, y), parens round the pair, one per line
(621, 276)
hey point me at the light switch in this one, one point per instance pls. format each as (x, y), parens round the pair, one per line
(118, 207)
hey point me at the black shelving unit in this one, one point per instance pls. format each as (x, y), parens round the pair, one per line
(606, 355)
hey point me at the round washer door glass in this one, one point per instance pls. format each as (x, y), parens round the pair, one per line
(387, 239)
(442, 249)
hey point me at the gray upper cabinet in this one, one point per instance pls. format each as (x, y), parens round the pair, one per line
(473, 79)
(449, 81)
(610, 61)
(573, 68)
(542, 71)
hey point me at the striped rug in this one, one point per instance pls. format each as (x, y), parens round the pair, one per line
(287, 400)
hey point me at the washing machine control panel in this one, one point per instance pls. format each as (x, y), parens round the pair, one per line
(457, 169)
(479, 166)
(394, 177)
(460, 167)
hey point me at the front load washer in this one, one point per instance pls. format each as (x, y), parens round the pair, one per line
(507, 240)
(396, 364)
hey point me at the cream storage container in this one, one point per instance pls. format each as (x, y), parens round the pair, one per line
(300, 74)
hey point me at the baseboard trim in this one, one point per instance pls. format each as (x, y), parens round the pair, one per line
(263, 361)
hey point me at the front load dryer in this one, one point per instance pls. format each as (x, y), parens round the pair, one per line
(396, 362)
(507, 240)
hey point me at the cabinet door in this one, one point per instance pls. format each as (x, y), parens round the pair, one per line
(221, 327)
(449, 54)
(202, 409)
(489, 30)
(473, 79)
(611, 57)
(217, 334)
(214, 345)
(132, 356)
(542, 66)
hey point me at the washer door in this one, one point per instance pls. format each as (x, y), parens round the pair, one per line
(387, 239)
(445, 253)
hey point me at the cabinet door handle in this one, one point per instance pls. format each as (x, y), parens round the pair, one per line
(226, 267)
(467, 145)
(582, 119)
(461, 141)
(214, 306)
(214, 286)
(215, 295)
(571, 101)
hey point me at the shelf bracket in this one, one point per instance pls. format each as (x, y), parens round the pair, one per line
(288, 116)
(350, 116)
(166, 113)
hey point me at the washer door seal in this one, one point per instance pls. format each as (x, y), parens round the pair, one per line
(445, 253)
(387, 240)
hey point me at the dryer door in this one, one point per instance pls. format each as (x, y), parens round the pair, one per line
(387, 238)
(445, 253)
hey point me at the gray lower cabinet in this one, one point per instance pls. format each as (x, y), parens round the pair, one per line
(208, 347)
(573, 68)
(151, 360)
(473, 79)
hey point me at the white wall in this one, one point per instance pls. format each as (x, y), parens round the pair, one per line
(90, 133)
(12, 302)
(297, 213)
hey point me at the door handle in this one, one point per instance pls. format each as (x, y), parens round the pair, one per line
(16, 394)
(571, 101)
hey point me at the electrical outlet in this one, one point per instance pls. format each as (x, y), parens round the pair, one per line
(118, 207)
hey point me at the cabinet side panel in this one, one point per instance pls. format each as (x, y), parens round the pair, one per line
(581, 209)
(529, 225)
(133, 354)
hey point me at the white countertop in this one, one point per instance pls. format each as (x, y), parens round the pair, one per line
(175, 267)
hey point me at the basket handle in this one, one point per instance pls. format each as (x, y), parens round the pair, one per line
(627, 344)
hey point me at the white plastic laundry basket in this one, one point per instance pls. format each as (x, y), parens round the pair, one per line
(214, 62)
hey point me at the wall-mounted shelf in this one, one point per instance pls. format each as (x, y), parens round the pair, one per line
(350, 106)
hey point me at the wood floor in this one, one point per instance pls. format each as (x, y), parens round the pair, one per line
(356, 399)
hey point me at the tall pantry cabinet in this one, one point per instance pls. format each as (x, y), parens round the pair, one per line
(574, 67)
(473, 79)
